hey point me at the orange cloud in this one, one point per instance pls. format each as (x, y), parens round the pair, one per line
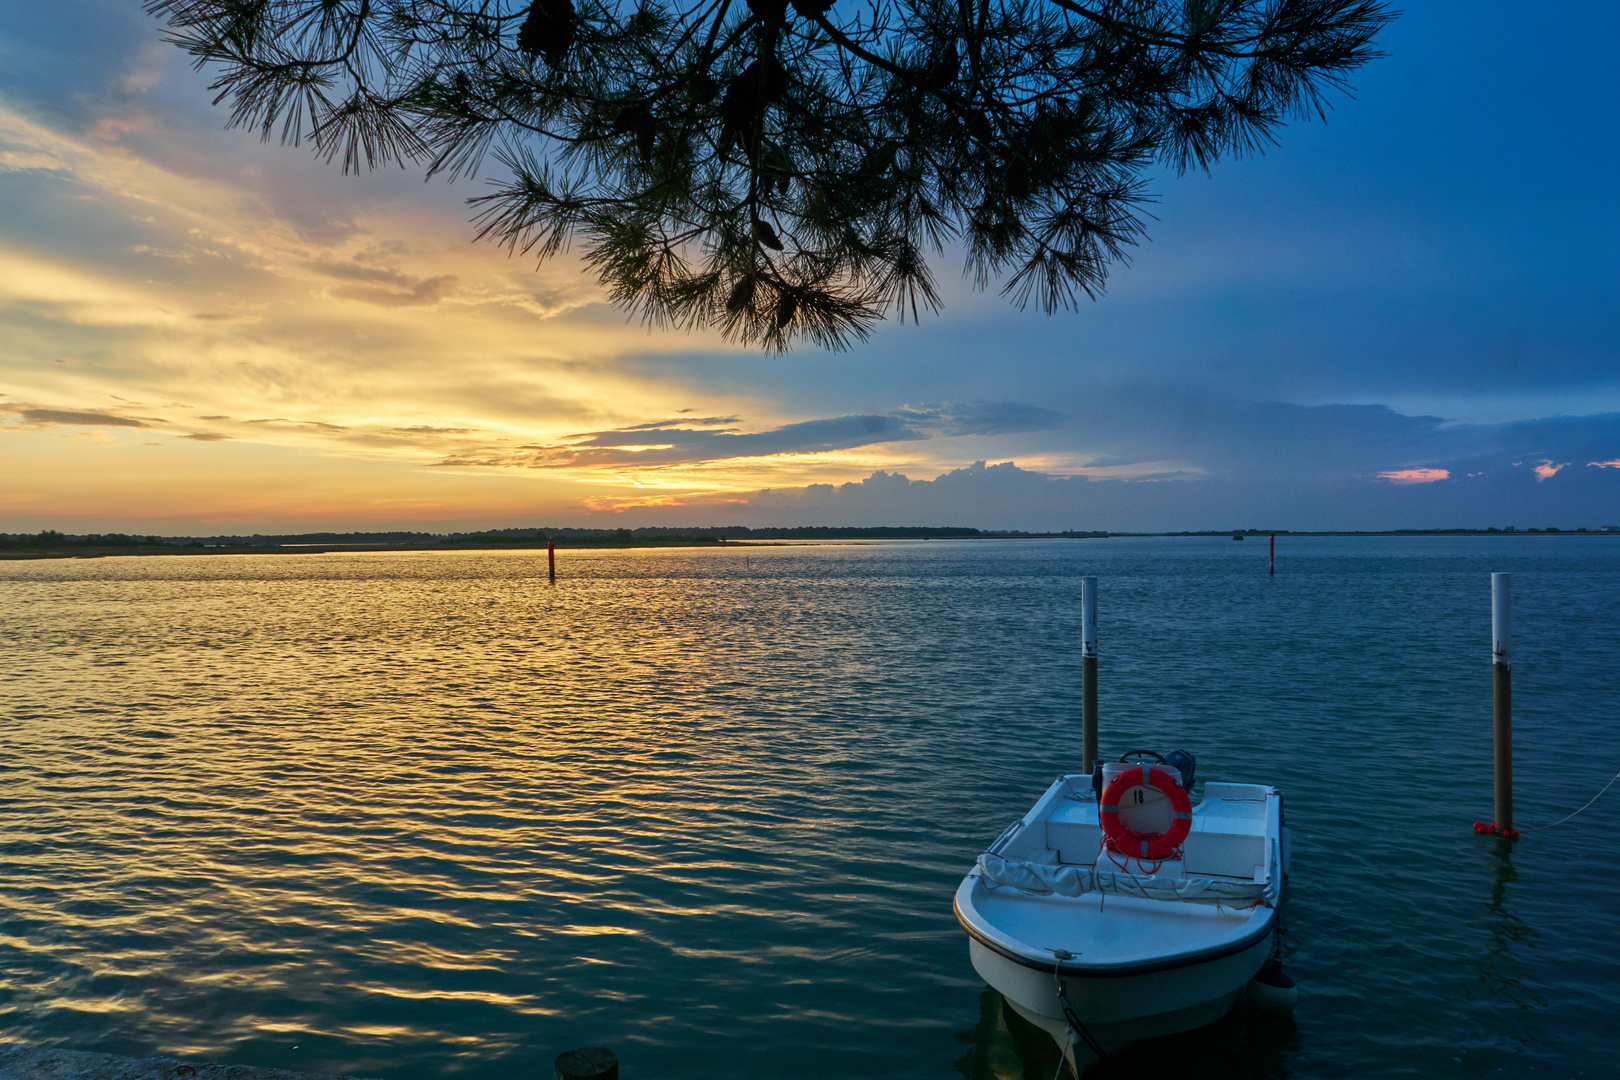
(1415, 476)
(1547, 470)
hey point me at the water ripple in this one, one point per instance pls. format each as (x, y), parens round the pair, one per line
(425, 815)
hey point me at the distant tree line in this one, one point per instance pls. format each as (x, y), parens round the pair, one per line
(267, 539)
(50, 538)
(722, 533)
(1368, 532)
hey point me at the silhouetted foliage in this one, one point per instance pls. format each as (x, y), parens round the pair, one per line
(784, 169)
(50, 538)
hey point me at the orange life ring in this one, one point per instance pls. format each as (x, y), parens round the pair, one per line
(1140, 845)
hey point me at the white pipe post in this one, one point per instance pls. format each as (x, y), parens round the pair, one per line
(1088, 672)
(1502, 695)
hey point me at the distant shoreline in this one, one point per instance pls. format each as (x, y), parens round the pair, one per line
(95, 552)
(80, 550)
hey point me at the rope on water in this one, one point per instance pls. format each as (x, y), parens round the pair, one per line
(1589, 802)
(1063, 1057)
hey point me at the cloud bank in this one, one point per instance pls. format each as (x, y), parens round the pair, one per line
(999, 496)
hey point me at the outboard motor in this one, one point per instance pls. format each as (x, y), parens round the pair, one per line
(1183, 762)
(1180, 760)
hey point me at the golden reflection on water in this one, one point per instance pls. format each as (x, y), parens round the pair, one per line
(1005, 1046)
(408, 798)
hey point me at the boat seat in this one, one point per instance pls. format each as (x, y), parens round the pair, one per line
(1228, 840)
(1072, 831)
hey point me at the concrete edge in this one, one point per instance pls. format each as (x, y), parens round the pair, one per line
(18, 1062)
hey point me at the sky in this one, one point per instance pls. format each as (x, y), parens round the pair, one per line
(1405, 317)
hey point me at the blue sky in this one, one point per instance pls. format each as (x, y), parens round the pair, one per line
(1404, 317)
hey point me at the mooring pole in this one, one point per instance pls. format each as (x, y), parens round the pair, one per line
(1502, 695)
(1088, 672)
(1273, 553)
(551, 558)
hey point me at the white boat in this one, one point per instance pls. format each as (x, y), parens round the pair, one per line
(1154, 926)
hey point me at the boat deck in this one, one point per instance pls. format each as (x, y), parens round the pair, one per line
(1071, 924)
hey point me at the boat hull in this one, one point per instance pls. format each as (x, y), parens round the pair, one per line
(1120, 1010)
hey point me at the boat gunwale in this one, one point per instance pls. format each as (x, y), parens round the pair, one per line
(1073, 969)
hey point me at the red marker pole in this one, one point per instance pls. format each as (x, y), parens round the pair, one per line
(1273, 553)
(551, 558)
(1502, 711)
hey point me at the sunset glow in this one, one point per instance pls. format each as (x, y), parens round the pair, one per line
(1547, 470)
(203, 333)
(1414, 476)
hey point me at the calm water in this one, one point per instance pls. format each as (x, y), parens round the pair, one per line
(423, 815)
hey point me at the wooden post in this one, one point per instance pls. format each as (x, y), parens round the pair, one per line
(1088, 672)
(551, 558)
(1273, 553)
(1502, 695)
(587, 1063)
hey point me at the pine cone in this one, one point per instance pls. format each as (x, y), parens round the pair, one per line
(770, 12)
(701, 87)
(945, 70)
(767, 235)
(548, 31)
(786, 307)
(637, 119)
(742, 294)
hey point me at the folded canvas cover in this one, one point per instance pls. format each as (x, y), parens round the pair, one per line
(1044, 879)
